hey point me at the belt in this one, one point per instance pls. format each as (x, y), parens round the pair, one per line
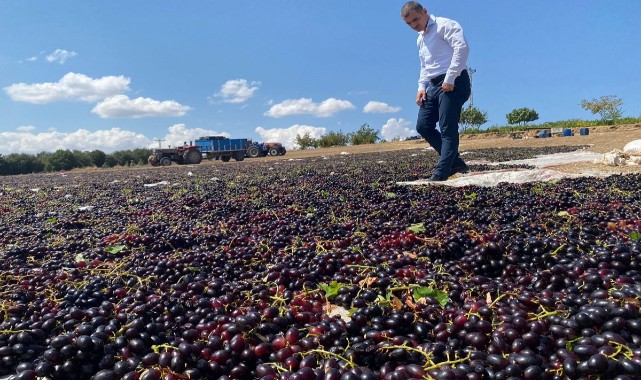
(437, 80)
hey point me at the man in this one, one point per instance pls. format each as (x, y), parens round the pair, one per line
(443, 85)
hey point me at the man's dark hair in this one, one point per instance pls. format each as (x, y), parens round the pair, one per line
(411, 6)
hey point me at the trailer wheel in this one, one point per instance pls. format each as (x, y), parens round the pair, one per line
(253, 151)
(225, 158)
(192, 156)
(239, 155)
(283, 151)
(273, 152)
(165, 161)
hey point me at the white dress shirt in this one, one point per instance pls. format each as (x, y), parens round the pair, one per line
(442, 49)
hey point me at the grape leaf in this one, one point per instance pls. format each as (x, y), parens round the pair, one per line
(390, 195)
(636, 235)
(331, 289)
(426, 291)
(78, 258)
(416, 228)
(114, 249)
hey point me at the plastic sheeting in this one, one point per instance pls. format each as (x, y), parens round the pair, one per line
(618, 158)
(494, 177)
(541, 174)
(555, 159)
(633, 148)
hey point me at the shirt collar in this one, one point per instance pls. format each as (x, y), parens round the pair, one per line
(430, 21)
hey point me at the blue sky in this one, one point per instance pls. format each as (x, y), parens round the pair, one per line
(112, 75)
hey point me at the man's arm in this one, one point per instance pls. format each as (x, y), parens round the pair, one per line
(422, 77)
(453, 34)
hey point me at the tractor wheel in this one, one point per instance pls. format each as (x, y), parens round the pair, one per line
(239, 156)
(273, 152)
(253, 151)
(225, 158)
(192, 157)
(165, 161)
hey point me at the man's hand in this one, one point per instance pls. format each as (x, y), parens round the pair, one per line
(421, 98)
(447, 87)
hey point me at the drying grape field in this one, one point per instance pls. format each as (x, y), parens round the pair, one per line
(319, 268)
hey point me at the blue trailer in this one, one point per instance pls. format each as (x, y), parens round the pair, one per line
(212, 147)
(222, 148)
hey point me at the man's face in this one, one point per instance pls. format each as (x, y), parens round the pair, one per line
(416, 20)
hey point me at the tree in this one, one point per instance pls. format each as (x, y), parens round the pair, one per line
(82, 159)
(364, 135)
(522, 115)
(61, 160)
(21, 163)
(123, 157)
(306, 141)
(140, 155)
(333, 139)
(110, 162)
(472, 117)
(609, 107)
(98, 157)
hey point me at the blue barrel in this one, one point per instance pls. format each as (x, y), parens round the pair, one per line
(544, 134)
(584, 131)
(567, 132)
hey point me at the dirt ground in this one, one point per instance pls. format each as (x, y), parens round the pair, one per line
(600, 140)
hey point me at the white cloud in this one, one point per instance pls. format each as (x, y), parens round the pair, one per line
(305, 106)
(179, 133)
(61, 56)
(82, 139)
(397, 128)
(120, 106)
(287, 136)
(237, 91)
(26, 128)
(31, 59)
(379, 107)
(72, 86)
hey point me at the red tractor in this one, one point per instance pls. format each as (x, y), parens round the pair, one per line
(265, 149)
(186, 154)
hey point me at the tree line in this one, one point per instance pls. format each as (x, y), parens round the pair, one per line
(608, 107)
(364, 135)
(64, 159)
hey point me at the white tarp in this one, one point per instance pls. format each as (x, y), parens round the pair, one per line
(633, 148)
(618, 158)
(555, 159)
(541, 174)
(494, 177)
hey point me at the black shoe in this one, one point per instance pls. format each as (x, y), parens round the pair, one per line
(460, 169)
(436, 178)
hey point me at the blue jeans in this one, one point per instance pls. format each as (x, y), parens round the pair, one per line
(444, 108)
